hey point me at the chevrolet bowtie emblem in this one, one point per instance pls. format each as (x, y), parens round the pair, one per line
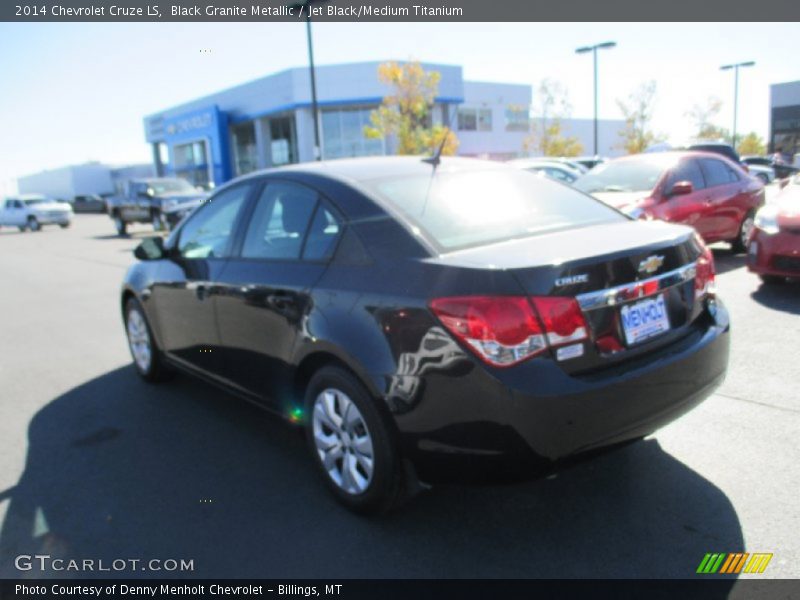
(651, 264)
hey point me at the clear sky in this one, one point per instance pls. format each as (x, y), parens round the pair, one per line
(78, 92)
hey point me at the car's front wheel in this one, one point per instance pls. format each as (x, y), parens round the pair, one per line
(764, 179)
(33, 224)
(120, 225)
(159, 223)
(745, 228)
(351, 442)
(147, 357)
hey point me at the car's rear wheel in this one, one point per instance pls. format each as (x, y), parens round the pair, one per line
(745, 228)
(33, 224)
(64, 225)
(147, 357)
(351, 442)
(120, 225)
(772, 279)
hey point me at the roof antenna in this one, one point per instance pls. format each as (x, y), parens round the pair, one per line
(437, 156)
(435, 160)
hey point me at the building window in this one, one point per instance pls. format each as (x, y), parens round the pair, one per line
(283, 149)
(245, 153)
(474, 119)
(467, 119)
(517, 118)
(343, 134)
(191, 163)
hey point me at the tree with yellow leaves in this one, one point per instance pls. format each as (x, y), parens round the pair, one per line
(405, 113)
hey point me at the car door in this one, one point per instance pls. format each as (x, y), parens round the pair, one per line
(266, 294)
(690, 209)
(15, 213)
(725, 187)
(184, 293)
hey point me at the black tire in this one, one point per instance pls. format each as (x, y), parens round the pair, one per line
(22, 228)
(385, 488)
(33, 224)
(156, 370)
(120, 225)
(158, 222)
(772, 279)
(739, 244)
(64, 225)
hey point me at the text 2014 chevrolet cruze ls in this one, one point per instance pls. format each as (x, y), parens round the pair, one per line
(418, 317)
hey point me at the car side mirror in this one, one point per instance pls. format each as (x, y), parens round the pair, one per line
(681, 188)
(151, 248)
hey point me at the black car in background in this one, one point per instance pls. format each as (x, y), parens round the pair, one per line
(427, 320)
(88, 203)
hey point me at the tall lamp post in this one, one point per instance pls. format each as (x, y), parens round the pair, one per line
(593, 50)
(735, 68)
(306, 7)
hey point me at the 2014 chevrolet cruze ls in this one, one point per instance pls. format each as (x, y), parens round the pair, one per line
(420, 316)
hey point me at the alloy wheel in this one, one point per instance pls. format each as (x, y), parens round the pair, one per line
(139, 340)
(343, 441)
(747, 227)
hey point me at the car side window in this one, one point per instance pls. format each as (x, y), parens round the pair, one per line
(280, 222)
(321, 238)
(687, 170)
(207, 233)
(717, 172)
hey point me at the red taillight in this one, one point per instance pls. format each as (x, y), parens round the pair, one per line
(705, 278)
(505, 330)
(562, 319)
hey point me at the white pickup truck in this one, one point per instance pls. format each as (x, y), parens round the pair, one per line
(31, 211)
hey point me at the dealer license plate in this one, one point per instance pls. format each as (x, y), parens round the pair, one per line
(645, 319)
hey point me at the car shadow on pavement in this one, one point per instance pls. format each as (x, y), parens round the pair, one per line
(781, 296)
(726, 260)
(117, 469)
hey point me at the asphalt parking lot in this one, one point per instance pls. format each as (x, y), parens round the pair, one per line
(94, 463)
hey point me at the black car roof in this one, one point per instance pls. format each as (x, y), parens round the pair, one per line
(367, 168)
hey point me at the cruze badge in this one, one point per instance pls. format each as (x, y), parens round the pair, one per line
(572, 279)
(651, 264)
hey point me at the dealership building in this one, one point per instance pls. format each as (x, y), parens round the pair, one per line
(269, 122)
(784, 129)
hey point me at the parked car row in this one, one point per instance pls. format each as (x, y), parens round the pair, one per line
(708, 187)
(161, 201)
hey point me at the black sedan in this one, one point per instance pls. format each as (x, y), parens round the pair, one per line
(422, 319)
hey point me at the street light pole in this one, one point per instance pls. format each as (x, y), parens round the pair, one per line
(305, 5)
(735, 68)
(593, 50)
(317, 152)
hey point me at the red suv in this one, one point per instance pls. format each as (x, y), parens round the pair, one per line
(707, 191)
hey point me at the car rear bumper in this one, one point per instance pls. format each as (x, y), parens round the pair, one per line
(478, 422)
(777, 254)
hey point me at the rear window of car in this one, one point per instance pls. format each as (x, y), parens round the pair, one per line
(463, 209)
